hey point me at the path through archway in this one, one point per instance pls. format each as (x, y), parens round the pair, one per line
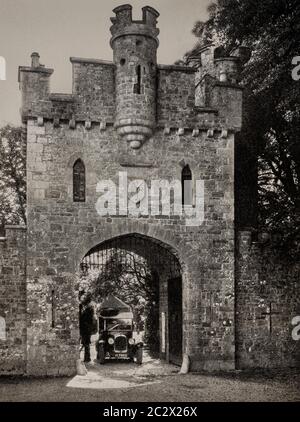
(145, 274)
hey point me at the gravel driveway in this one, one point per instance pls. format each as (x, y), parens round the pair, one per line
(156, 382)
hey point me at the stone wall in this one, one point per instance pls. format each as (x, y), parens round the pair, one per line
(94, 86)
(60, 233)
(151, 135)
(151, 132)
(267, 299)
(13, 301)
(175, 96)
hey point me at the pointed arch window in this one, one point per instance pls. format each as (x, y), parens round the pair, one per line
(187, 186)
(79, 181)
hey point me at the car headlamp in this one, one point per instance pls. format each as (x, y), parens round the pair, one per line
(111, 341)
(131, 341)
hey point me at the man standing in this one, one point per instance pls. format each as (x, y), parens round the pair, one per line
(87, 323)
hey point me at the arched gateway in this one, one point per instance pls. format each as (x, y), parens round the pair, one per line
(146, 274)
(133, 125)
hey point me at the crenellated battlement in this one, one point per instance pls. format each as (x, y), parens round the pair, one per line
(93, 157)
(134, 93)
(215, 68)
(124, 25)
(124, 16)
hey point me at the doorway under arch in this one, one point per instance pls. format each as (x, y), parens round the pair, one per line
(146, 274)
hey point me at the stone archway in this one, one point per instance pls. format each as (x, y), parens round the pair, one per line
(163, 259)
(126, 226)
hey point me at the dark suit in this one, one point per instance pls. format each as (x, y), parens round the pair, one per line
(86, 327)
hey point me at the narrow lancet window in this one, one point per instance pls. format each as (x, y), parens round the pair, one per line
(79, 181)
(137, 86)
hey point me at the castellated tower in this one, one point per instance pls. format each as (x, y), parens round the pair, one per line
(132, 122)
(152, 123)
(135, 45)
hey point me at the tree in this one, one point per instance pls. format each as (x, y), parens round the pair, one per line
(271, 29)
(12, 176)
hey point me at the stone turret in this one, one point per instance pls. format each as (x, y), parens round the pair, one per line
(34, 83)
(134, 45)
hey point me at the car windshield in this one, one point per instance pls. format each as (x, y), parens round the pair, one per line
(118, 324)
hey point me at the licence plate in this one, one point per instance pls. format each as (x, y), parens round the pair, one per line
(120, 355)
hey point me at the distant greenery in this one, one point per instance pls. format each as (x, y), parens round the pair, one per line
(127, 276)
(12, 176)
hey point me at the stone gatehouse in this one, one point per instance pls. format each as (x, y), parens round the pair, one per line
(153, 122)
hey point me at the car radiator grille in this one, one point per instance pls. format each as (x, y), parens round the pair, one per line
(120, 343)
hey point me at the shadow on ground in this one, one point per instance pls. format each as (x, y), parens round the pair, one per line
(123, 374)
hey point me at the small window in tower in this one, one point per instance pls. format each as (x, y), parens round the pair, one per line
(79, 181)
(187, 186)
(122, 62)
(151, 67)
(137, 85)
(139, 42)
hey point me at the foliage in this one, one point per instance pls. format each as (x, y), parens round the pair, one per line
(12, 176)
(128, 276)
(271, 29)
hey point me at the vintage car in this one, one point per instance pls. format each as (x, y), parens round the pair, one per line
(116, 332)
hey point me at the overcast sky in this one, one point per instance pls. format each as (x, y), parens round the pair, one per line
(59, 29)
